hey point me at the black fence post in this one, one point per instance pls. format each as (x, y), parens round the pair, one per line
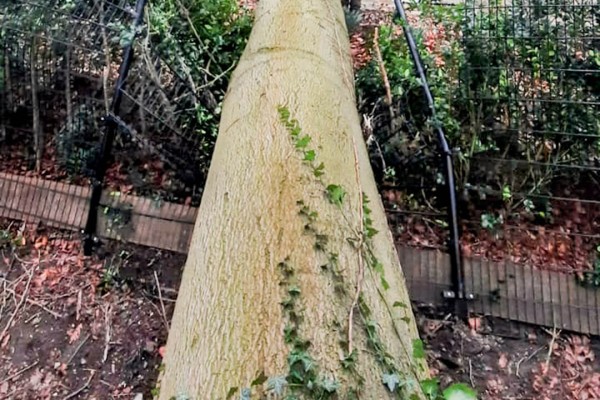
(90, 238)
(458, 293)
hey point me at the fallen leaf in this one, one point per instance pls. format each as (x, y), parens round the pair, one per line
(41, 242)
(502, 361)
(74, 334)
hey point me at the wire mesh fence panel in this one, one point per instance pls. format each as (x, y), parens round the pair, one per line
(60, 64)
(165, 158)
(531, 177)
(59, 61)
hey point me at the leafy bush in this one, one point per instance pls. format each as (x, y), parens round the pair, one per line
(201, 42)
(507, 86)
(404, 130)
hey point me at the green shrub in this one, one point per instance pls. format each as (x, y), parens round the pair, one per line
(506, 86)
(202, 42)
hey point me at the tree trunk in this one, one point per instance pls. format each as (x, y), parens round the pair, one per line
(284, 254)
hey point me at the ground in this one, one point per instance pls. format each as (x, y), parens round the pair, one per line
(93, 328)
(75, 327)
(509, 361)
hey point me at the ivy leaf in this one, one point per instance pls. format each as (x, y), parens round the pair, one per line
(309, 155)
(246, 394)
(262, 378)
(459, 391)
(284, 113)
(277, 384)
(399, 304)
(301, 357)
(231, 392)
(295, 130)
(384, 283)
(350, 360)
(431, 388)
(303, 142)
(319, 170)
(418, 349)
(392, 381)
(336, 194)
(378, 267)
(330, 385)
(294, 290)
(371, 232)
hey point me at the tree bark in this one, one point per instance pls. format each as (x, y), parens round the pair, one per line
(277, 260)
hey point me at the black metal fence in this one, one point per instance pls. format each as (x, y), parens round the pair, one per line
(99, 130)
(88, 105)
(531, 179)
(516, 86)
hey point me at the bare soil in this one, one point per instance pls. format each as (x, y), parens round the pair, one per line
(73, 327)
(82, 328)
(505, 360)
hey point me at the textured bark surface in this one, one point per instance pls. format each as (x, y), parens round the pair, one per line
(229, 322)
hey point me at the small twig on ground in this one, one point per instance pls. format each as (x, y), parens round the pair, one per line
(78, 307)
(107, 312)
(19, 372)
(79, 346)
(361, 269)
(38, 304)
(471, 373)
(165, 299)
(20, 304)
(527, 358)
(162, 304)
(32, 317)
(555, 334)
(81, 389)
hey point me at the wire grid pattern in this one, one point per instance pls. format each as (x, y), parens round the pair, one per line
(60, 60)
(534, 75)
(160, 111)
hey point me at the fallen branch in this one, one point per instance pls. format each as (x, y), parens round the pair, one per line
(18, 307)
(107, 311)
(79, 346)
(19, 372)
(527, 358)
(555, 334)
(38, 304)
(162, 304)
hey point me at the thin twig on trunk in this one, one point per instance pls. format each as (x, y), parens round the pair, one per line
(361, 268)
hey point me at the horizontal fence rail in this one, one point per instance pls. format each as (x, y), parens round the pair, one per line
(124, 217)
(506, 290)
(500, 288)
